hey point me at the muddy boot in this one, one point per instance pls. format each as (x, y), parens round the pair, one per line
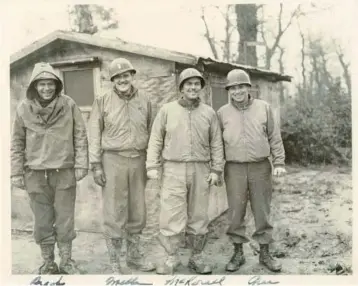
(136, 257)
(114, 247)
(169, 266)
(67, 264)
(112, 256)
(172, 260)
(237, 259)
(49, 265)
(267, 260)
(196, 260)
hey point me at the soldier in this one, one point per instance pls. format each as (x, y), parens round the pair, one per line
(48, 155)
(119, 128)
(250, 136)
(186, 134)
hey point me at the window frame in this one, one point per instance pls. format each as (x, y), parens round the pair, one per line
(96, 80)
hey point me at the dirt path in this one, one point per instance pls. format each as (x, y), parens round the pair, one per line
(311, 213)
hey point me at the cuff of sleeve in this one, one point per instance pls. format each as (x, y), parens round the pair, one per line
(279, 165)
(216, 172)
(78, 166)
(152, 168)
(96, 166)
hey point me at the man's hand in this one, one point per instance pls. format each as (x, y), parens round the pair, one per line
(80, 173)
(153, 174)
(279, 171)
(213, 179)
(99, 176)
(18, 182)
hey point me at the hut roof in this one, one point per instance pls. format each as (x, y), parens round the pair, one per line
(134, 48)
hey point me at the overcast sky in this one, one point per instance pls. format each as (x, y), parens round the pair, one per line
(177, 25)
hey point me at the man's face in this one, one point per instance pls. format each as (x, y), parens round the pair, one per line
(239, 93)
(123, 82)
(191, 88)
(46, 88)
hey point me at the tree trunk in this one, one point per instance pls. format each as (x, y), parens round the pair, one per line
(247, 24)
(282, 71)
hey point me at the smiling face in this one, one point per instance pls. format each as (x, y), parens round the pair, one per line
(239, 93)
(123, 81)
(46, 88)
(191, 88)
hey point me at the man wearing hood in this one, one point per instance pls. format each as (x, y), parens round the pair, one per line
(119, 128)
(48, 155)
(250, 136)
(186, 134)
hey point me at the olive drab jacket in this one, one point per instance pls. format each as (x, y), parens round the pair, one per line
(250, 133)
(186, 135)
(50, 137)
(119, 124)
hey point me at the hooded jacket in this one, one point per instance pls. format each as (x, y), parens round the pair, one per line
(50, 137)
(250, 133)
(183, 134)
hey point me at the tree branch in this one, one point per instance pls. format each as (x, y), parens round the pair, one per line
(345, 66)
(280, 31)
(207, 35)
(303, 55)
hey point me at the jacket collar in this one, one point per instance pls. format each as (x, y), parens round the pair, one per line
(189, 104)
(49, 114)
(241, 106)
(126, 97)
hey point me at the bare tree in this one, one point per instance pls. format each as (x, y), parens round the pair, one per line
(345, 67)
(221, 49)
(282, 71)
(281, 29)
(303, 56)
(229, 29)
(247, 25)
(207, 35)
(83, 20)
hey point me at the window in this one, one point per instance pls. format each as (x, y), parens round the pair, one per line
(219, 97)
(81, 79)
(79, 84)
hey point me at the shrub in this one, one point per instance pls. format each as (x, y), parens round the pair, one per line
(316, 129)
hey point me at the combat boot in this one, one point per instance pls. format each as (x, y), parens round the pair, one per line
(237, 259)
(114, 247)
(267, 260)
(196, 260)
(49, 265)
(135, 255)
(67, 264)
(172, 260)
(169, 266)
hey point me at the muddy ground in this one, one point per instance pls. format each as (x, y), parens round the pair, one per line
(311, 214)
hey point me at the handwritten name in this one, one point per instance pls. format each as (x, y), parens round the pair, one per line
(131, 281)
(195, 281)
(256, 280)
(38, 281)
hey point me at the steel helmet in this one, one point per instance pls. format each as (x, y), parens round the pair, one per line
(236, 77)
(119, 66)
(190, 73)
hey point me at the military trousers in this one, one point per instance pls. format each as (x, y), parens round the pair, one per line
(124, 210)
(52, 200)
(184, 198)
(249, 182)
